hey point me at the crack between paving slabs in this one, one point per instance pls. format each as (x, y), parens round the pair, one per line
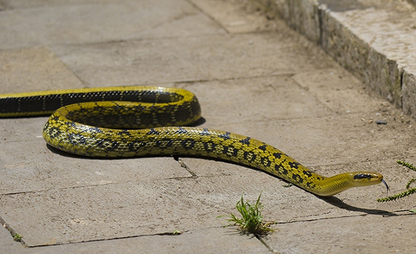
(183, 164)
(264, 243)
(12, 232)
(110, 239)
(194, 175)
(208, 15)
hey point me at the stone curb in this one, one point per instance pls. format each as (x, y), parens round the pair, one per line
(374, 40)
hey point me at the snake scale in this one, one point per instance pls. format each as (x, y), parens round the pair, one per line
(147, 121)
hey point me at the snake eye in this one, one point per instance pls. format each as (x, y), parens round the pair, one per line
(362, 176)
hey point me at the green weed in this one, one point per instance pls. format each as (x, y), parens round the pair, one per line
(408, 191)
(252, 220)
(17, 237)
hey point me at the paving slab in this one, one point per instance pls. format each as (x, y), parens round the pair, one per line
(370, 233)
(230, 18)
(206, 240)
(97, 21)
(333, 81)
(240, 98)
(34, 69)
(170, 60)
(253, 76)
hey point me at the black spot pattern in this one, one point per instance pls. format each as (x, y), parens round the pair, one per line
(294, 164)
(297, 178)
(280, 169)
(249, 156)
(71, 124)
(106, 144)
(225, 136)
(164, 143)
(209, 146)
(310, 185)
(307, 173)
(188, 143)
(76, 139)
(263, 147)
(181, 131)
(153, 132)
(204, 132)
(278, 155)
(97, 129)
(53, 132)
(265, 161)
(230, 151)
(124, 132)
(245, 141)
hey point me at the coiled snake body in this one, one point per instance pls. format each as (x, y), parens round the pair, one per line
(108, 122)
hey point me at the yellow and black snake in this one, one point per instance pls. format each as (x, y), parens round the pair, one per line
(140, 121)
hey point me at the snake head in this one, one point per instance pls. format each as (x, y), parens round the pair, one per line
(337, 183)
(367, 178)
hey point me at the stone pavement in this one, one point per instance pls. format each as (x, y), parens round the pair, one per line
(253, 76)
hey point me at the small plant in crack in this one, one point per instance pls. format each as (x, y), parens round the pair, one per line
(252, 220)
(17, 237)
(408, 190)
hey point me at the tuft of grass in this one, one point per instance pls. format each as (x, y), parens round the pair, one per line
(252, 220)
(17, 237)
(408, 190)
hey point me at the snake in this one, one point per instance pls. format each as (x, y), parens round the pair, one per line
(145, 121)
